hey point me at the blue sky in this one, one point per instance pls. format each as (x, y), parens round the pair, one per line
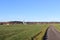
(30, 10)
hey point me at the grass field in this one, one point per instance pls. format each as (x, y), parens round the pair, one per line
(57, 26)
(21, 32)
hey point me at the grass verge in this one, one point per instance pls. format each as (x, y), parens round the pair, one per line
(42, 33)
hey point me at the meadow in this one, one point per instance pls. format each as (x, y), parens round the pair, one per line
(57, 27)
(22, 32)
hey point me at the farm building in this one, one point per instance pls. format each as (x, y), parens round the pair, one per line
(11, 22)
(20, 22)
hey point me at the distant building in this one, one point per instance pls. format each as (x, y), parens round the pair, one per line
(11, 22)
(20, 22)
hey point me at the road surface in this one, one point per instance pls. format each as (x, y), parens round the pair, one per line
(52, 34)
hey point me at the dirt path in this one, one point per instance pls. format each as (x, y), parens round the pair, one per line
(52, 34)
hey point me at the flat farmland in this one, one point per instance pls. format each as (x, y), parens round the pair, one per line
(21, 32)
(57, 26)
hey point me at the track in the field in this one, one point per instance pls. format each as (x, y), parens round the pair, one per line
(52, 34)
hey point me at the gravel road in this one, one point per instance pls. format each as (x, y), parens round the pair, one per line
(52, 34)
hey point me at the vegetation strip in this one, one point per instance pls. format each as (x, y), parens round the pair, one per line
(35, 36)
(44, 37)
(40, 35)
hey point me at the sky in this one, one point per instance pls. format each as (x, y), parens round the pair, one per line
(30, 10)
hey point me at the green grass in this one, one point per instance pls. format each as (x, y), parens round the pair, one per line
(57, 26)
(20, 31)
(43, 29)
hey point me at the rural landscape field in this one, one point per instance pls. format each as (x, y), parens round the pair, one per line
(21, 31)
(24, 31)
(29, 19)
